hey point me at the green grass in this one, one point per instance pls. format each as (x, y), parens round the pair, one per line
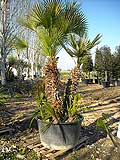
(4, 97)
(65, 73)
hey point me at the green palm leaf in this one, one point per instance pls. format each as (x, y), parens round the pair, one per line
(68, 50)
(28, 23)
(50, 110)
(20, 44)
(80, 46)
(53, 20)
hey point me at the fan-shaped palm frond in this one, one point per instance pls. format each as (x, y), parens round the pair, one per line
(28, 23)
(49, 43)
(52, 20)
(78, 22)
(12, 60)
(20, 44)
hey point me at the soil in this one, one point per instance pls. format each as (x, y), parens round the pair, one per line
(95, 100)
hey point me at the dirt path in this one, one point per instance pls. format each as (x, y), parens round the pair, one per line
(109, 107)
(95, 101)
(17, 110)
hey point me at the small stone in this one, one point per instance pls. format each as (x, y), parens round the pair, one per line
(20, 156)
(97, 152)
(92, 155)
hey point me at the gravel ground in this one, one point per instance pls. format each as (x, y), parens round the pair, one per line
(95, 100)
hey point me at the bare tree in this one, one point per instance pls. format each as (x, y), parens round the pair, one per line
(10, 10)
(35, 56)
(4, 37)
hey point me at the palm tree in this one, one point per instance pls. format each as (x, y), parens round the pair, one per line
(53, 20)
(19, 44)
(11, 62)
(79, 48)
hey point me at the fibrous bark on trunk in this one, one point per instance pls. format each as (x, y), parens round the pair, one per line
(75, 77)
(52, 83)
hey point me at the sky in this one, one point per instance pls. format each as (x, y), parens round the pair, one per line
(103, 17)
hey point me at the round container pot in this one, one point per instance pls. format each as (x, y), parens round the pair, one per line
(96, 81)
(113, 82)
(90, 81)
(85, 81)
(59, 136)
(106, 84)
(118, 83)
(100, 82)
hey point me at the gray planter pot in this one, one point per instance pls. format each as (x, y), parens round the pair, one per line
(90, 81)
(117, 83)
(96, 81)
(113, 82)
(106, 84)
(59, 136)
(85, 81)
(99, 81)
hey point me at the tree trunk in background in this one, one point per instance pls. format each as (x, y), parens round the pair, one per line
(75, 77)
(36, 72)
(3, 76)
(97, 75)
(89, 74)
(106, 76)
(18, 66)
(32, 69)
(52, 83)
(18, 71)
(28, 73)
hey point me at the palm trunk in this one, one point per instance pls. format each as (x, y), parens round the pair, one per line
(52, 83)
(75, 77)
(3, 76)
